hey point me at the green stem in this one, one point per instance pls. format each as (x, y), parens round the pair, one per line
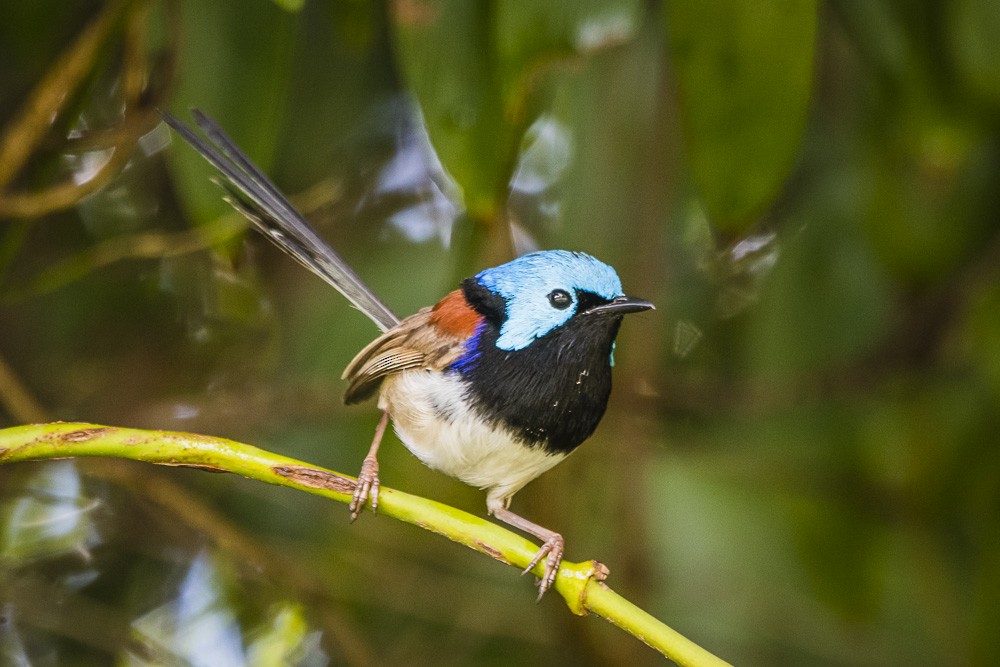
(580, 584)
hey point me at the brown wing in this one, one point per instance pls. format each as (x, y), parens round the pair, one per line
(416, 342)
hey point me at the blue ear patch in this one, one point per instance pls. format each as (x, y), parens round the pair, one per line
(526, 283)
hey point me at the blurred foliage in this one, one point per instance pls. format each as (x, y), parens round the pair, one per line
(799, 464)
(743, 101)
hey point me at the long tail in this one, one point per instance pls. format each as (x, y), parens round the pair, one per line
(254, 195)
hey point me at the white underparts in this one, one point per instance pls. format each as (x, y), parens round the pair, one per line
(432, 417)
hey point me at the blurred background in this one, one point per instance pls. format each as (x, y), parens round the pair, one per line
(800, 462)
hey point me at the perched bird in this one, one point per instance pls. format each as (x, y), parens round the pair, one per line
(495, 384)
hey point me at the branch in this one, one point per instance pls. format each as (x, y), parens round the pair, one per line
(580, 584)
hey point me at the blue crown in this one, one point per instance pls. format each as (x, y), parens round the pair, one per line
(526, 282)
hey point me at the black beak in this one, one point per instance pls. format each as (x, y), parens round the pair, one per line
(621, 305)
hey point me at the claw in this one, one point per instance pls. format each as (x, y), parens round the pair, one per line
(552, 552)
(367, 487)
(552, 542)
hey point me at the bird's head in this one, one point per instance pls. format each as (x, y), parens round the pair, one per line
(538, 293)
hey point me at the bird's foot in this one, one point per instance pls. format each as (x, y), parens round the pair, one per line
(367, 487)
(552, 552)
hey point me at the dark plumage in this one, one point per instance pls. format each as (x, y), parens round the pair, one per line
(550, 394)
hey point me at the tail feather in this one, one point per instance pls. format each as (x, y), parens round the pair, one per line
(253, 194)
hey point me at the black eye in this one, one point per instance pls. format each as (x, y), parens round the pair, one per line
(560, 298)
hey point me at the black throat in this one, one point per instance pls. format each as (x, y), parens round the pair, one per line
(550, 394)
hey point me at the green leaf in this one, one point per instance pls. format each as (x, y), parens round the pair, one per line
(533, 38)
(974, 25)
(744, 73)
(482, 71)
(290, 5)
(444, 51)
(226, 71)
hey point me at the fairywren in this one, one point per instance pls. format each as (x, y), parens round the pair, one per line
(495, 384)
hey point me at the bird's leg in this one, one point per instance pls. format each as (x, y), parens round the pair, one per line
(552, 545)
(367, 485)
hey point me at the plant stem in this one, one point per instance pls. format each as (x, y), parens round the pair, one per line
(580, 584)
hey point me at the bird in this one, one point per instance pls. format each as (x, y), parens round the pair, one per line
(495, 384)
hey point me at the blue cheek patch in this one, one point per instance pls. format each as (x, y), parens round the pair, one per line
(527, 319)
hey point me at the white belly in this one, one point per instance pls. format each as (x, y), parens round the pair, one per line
(430, 416)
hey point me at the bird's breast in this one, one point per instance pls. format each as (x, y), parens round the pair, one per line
(550, 394)
(432, 415)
